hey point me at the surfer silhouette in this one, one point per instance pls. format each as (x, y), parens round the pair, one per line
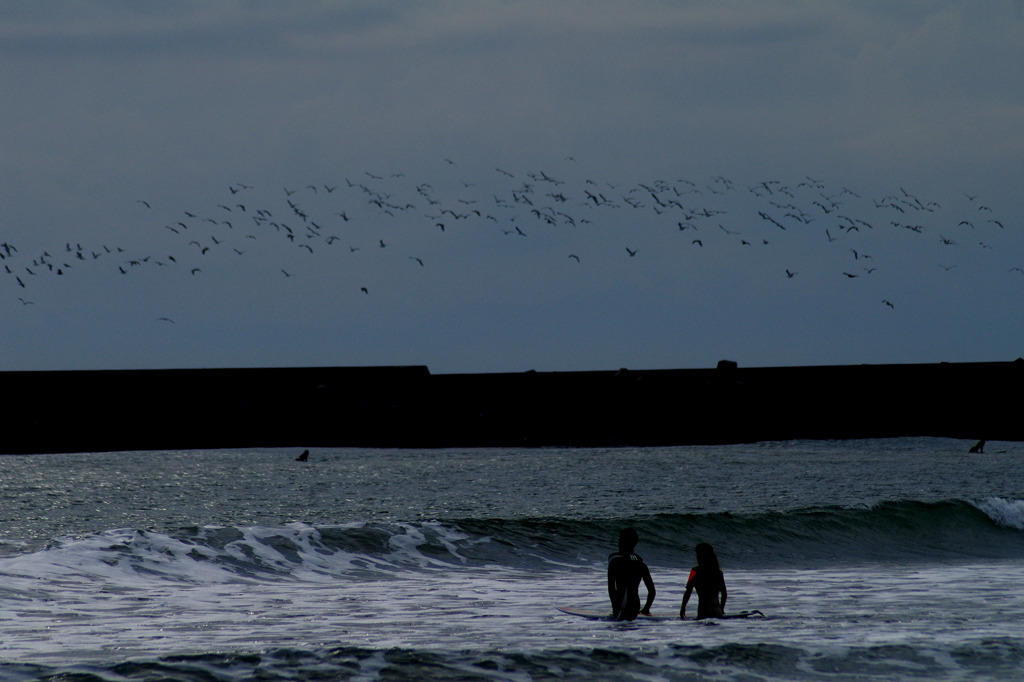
(706, 577)
(304, 457)
(625, 571)
(978, 447)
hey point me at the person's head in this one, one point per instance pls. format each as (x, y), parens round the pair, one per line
(706, 557)
(628, 537)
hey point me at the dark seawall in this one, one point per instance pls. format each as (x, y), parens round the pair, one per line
(93, 411)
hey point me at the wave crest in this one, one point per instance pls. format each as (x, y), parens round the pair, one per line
(1006, 513)
(906, 531)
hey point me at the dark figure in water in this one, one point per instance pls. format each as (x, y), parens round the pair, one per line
(304, 457)
(706, 577)
(979, 447)
(625, 571)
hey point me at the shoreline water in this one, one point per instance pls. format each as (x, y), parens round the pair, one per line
(875, 559)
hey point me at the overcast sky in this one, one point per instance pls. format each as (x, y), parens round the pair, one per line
(503, 186)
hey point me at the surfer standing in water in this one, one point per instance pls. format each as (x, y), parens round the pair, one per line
(709, 582)
(625, 571)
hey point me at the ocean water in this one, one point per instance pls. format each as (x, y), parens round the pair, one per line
(871, 559)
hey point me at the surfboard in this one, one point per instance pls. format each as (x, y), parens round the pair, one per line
(592, 614)
(605, 615)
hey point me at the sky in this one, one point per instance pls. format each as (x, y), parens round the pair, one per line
(500, 186)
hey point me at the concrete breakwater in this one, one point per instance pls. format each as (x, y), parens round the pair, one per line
(407, 406)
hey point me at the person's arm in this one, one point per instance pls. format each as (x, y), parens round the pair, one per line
(725, 594)
(686, 598)
(614, 593)
(686, 594)
(649, 584)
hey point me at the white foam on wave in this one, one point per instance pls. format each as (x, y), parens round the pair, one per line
(408, 545)
(219, 555)
(842, 610)
(122, 556)
(1007, 513)
(298, 550)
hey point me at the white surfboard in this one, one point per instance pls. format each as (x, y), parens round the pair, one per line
(593, 614)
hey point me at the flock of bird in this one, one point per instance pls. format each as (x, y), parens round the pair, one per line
(372, 213)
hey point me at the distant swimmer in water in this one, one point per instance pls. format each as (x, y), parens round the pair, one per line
(625, 571)
(978, 447)
(304, 457)
(709, 582)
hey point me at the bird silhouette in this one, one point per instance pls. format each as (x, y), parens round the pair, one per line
(555, 204)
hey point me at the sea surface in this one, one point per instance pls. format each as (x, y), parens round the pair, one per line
(871, 559)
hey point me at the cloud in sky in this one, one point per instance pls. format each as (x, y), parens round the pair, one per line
(107, 105)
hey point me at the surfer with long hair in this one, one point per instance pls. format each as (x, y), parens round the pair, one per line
(706, 577)
(625, 571)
